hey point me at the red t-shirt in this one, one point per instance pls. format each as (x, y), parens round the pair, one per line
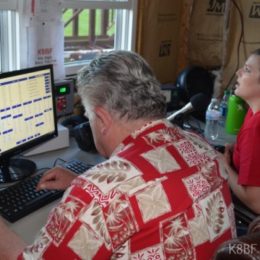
(247, 150)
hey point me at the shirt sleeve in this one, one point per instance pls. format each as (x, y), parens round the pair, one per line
(249, 156)
(68, 233)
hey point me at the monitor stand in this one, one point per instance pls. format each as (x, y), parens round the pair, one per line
(15, 169)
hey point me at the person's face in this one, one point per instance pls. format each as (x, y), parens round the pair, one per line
(248, 79)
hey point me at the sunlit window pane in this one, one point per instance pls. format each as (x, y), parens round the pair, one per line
(9, 54)
(83, 23)
(88, 32)
(67, 15)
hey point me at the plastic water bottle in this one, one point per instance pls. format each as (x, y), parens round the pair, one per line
(224, 108)
(213, 115)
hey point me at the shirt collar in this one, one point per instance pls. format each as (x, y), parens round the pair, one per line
(144, 129)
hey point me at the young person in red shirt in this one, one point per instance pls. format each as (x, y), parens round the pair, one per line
(243, 158)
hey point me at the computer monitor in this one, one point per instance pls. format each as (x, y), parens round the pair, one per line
(27, 118)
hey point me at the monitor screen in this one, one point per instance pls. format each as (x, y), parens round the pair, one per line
(27, 113)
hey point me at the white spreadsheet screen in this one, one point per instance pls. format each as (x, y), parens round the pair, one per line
(26, 108)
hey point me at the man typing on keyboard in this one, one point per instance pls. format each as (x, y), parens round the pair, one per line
(162, 193)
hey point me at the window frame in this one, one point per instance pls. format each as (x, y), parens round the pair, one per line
(9, 5)
(109, 4)
(125, 26)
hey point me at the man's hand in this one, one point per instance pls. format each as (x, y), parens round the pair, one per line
(56, 178)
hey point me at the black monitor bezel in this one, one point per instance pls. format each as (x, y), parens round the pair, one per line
(18, 150)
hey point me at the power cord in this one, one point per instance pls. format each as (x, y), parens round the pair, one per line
(58, 161)
(240, 40)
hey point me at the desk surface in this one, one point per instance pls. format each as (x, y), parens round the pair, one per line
(30, 225)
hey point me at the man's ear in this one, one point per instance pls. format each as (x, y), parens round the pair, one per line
(104, 119)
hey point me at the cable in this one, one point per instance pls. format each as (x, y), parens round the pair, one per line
(192, 124)
(239, 42)
(57, 161)
(43, 169)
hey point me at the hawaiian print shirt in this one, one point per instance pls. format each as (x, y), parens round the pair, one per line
(163, 194)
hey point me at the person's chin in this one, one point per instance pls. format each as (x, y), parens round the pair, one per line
(239, 94)
(236, 92)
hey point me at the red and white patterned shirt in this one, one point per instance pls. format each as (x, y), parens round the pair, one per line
(163, 194)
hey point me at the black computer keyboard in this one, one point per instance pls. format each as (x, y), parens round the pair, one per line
(22, 199)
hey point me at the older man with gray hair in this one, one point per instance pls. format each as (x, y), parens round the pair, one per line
(161, 194)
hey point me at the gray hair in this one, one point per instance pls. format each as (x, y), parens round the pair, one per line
(123, 83)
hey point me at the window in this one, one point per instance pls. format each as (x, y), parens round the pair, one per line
(9, 29)
(87, 31)
(91, 27)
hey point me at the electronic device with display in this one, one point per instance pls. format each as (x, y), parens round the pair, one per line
(64, 93)
(27, 116)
